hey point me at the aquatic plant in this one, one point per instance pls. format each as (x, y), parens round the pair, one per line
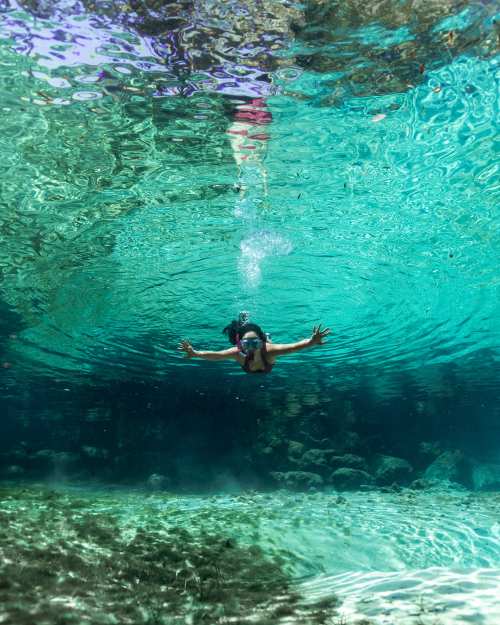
(64, 560)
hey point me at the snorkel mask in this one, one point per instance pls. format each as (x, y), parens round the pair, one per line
(248, 345)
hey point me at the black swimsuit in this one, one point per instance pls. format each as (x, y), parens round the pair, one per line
(267, 365)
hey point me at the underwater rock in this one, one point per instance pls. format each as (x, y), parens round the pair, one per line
(430, 449)
(95, 453)
(156, 481)
(58, 462)
(347, 441)
(297, 480)
(351, 461)
(393, 488)
(350, 479)
(271, 454)
(450, 466)
(316, 460)
(273, 445)
(390, 469)
(319, 443)
(486, 476)
(324, 460)
(295, 450)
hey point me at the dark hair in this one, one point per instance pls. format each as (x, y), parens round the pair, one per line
(235, 327)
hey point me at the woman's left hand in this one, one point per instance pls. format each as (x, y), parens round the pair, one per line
(185, 346)
(318, 335)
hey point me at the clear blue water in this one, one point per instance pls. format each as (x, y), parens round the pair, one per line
(165, 167)
(373, 213)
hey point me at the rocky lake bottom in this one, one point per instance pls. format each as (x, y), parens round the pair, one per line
(77, 554)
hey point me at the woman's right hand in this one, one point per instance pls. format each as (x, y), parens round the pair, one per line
(318, 335)
(185, 346)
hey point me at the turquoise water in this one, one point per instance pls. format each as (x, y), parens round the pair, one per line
(374, 214)
(166, 166)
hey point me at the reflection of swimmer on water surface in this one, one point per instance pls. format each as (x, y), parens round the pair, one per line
(253, 349)
(248, 139)
(246, 135)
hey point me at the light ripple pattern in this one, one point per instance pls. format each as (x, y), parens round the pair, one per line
(424, 597)
(406, 558)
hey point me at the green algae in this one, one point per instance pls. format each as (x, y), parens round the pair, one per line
(64, 560)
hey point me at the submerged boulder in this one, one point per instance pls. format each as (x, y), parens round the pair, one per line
(271, 453)
(295, 451)
(390, 469)
(297, 480)
(347, 441)
(430, 450)
(486, 476)
(450, 466)
(351, 461)
(324, 460)
(350, 479)
(316, 460)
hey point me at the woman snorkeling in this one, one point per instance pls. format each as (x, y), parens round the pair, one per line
(253, 349)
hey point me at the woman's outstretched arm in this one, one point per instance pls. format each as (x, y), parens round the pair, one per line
(277, 349)
(185, 346)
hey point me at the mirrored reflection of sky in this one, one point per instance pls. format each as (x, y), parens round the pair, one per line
(235, 47)
(74, 38)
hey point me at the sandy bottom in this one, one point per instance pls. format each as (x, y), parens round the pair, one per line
(433, 596)
(75, 555)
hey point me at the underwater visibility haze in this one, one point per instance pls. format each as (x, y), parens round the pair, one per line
(167, 165)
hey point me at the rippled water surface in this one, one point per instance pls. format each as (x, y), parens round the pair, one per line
(148, 195)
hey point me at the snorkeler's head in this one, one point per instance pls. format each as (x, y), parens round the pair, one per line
(237, 331)
(249, 342)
